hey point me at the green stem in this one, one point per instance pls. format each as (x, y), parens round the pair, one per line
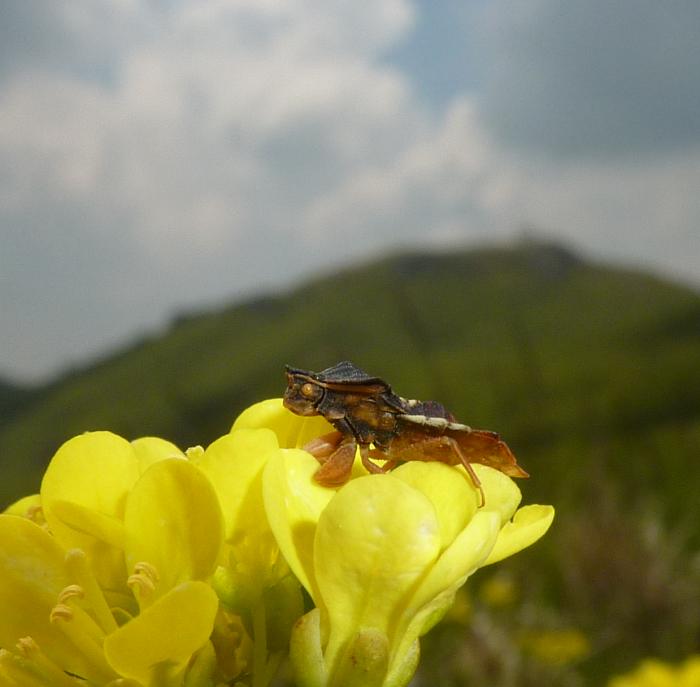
(273, 666)
(260, 678)
(162, 675)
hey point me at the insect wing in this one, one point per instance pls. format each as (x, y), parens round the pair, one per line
(427, 409)
(487, 448)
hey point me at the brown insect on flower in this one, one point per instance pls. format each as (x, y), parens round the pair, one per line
(367, 413)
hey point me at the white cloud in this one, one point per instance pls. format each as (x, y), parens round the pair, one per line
(443, 179)
(644, 211)
(594, 78)
(458, 183)
(163, 184)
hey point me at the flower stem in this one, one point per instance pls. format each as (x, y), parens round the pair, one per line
(260, 677)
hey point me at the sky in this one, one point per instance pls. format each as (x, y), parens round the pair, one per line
(160, 156)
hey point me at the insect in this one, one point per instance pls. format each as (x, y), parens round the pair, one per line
(367, 413)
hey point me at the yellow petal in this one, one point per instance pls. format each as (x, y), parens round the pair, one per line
(650, 673)
(450, 491)
(365, 661)
(152, 449)
(403, 667)
(24, 506)
(166, 634)
(689, 673)
(93, 471)
(292, 430)
(293, 503)
(202, 669)
(501, 494)
(527, 526)
(306, 652)
(436, 591)
(556, 647)
(234, 465)
(467, 553)
(32, 574)
(104, 528)
(174, 523)
(374, 541)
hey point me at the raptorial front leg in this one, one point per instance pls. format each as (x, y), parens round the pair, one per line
(337, 468)
(321, 448)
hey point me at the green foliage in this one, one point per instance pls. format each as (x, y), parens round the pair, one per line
(591, 373)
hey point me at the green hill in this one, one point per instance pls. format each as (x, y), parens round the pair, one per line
(531, 341)
(13, 399)
(591, 373)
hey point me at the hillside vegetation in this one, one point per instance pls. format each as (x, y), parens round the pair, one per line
(591, 373)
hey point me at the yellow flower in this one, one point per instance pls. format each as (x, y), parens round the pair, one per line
(656, 673)
(292, 431)
(499, 591)
(383, 556)
(253, 579)
(556, 647)
(140, 566)
(234, 464)
(116, 586)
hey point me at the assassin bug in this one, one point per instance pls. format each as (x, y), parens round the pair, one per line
(367, 413)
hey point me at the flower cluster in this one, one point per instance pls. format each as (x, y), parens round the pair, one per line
(656, 673)
(138, 565)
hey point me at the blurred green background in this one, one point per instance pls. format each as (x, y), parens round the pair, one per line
(590, 372)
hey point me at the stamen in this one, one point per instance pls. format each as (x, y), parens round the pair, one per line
(83, 632)
(30, 666)
(194, 453)
(36, 514)
(87, 637)
(61, 612)
(147, 569)
(27, 646)
(71, 613)
(72, 591)
(144, 579)
(78, 567)
(16, 672)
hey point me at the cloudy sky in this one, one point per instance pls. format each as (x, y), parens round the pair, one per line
(160, 155)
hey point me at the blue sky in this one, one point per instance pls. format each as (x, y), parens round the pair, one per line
(438, 53)
(160, 156)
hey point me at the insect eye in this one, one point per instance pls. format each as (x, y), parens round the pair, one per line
(308, 390)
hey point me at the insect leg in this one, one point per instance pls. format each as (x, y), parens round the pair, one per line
(321, 448)
(468, 467)
(337, 468)
(369, 465)
(389, 463)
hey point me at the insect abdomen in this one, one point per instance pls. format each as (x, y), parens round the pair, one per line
(438, 423)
